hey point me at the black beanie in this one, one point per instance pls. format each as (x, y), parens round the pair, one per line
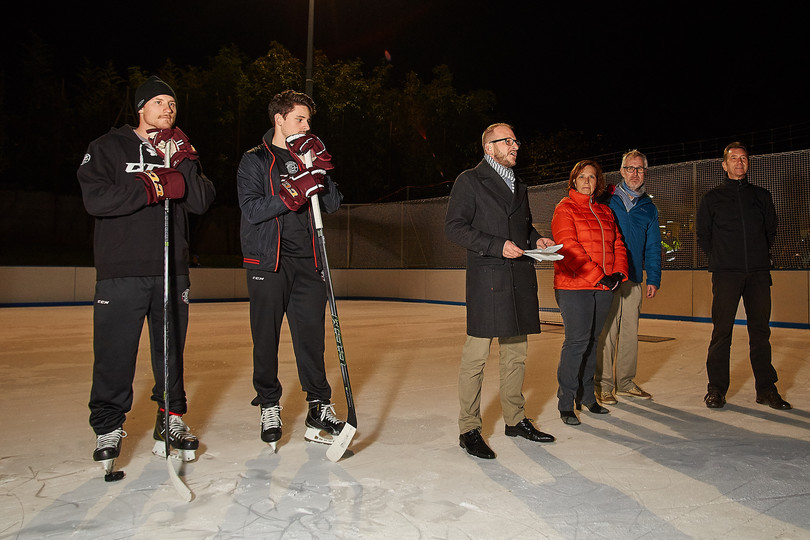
(153, 86)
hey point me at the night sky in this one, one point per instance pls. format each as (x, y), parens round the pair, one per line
(639, 75)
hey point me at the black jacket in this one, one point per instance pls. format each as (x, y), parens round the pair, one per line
(129, 234)
(261, 227)
(736, 227)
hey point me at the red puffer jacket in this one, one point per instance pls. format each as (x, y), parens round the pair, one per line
(592, 245)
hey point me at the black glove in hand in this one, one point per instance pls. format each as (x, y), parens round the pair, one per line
(611, 282)
(162, 184)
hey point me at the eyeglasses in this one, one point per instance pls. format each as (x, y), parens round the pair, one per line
(508, 140)
(631, 170)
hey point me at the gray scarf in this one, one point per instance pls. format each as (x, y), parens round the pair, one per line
(628, 196)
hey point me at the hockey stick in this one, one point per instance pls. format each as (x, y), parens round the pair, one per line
(178, 484)
(342, 441)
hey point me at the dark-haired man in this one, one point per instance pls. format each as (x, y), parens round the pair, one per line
(283, 263)
(736, 228)
(124, 182)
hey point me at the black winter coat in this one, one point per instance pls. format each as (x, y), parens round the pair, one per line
(481, 216)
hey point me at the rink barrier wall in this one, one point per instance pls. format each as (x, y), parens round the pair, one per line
(685, 294)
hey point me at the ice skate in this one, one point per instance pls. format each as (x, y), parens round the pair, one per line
(180, 438)
(322, 424)
(271, 424)
(108, 447)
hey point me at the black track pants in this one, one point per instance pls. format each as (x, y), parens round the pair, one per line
(119, 309)
(297, 290)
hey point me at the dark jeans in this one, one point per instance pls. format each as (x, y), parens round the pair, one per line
(297, 290)
(119, 308)
(584, 313)
(755, 290)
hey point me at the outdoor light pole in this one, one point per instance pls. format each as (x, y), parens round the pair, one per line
(310, 34)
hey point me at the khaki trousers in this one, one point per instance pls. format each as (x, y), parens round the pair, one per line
(512, 352)
(617, 352)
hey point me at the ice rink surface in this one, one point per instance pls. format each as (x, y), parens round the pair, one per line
(666, 468)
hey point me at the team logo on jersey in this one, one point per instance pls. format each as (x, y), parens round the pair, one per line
(141, 167)
(292, 167)
(86, 159)
(185, 296)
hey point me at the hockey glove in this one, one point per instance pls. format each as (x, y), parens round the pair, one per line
(295, 190)
(300, 144)
(162, 184)
(181, 147)
(611, 281)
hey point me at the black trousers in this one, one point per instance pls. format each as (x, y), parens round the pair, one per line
(119, 308)
(298, 290)
(584, 313)
(755, 290)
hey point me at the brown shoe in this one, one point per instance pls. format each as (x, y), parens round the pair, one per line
(635, 392)
(606, 398)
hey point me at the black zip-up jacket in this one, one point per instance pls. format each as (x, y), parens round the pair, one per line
(129, 234)
(736, 227)
(261, 227)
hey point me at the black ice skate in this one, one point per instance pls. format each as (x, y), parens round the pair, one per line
(108, 447)
(180, 438)
(322, 424)
(271, 424)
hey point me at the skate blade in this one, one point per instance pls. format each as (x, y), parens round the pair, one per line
(318, 435)
(159, 449)
(107, 464)
(273, 446)
(341, 443)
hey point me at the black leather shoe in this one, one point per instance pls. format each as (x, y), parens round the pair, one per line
(474, 444)
(568, 417)
(714, 399)
(525, 429)
(773, 400)
(595, 408)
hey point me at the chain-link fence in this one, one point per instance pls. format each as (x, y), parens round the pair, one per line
(411, 234)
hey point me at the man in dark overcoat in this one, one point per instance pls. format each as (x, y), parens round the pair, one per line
(488, 215)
